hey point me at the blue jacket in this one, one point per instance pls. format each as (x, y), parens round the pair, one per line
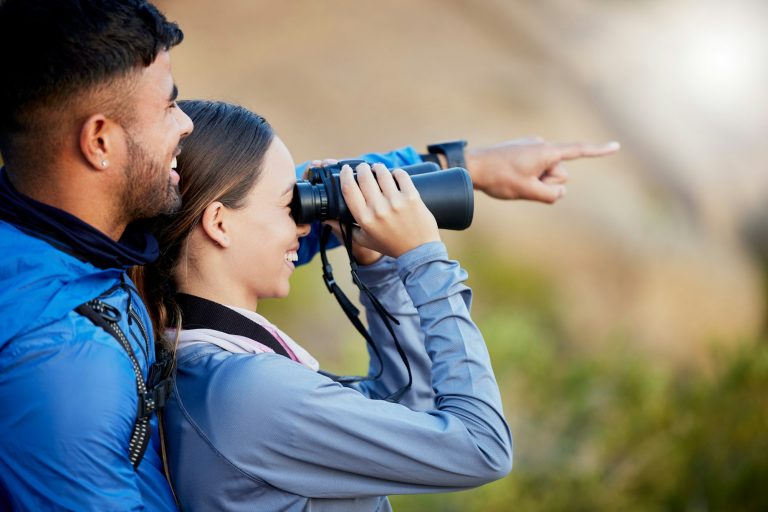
(67, 389)
(262, 432)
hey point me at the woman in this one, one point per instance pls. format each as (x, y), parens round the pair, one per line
(252, 424)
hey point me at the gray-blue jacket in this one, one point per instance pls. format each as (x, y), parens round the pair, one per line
(262, 432)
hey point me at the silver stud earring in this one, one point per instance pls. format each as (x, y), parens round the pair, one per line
(103, 163)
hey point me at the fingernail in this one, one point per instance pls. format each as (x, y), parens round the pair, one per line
(613, 146)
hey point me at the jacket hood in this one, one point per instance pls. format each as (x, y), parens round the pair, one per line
(40, 284)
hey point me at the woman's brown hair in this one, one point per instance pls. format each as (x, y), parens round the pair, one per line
(220, 161)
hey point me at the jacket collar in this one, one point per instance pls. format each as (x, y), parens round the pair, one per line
(68, 233)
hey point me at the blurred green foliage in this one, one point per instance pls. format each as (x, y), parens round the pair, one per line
(611, 429)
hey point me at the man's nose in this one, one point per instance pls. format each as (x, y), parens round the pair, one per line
(185, 123)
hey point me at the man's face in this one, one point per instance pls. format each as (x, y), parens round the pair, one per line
(152, 143)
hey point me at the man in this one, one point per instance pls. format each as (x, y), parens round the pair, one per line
(89, 131)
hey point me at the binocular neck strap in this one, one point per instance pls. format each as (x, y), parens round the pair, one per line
(354, 314)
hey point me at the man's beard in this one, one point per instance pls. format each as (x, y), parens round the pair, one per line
(148, 190)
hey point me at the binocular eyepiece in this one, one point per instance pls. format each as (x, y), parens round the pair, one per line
(446, 193)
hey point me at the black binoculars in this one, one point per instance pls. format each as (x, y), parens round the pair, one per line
(446, 193)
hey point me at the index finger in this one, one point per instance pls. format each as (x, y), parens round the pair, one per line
(573, 150)
(353, 196)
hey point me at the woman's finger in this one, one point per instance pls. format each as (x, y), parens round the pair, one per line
(405, 183)
(369, 186)
(353, 196)
(386, 182)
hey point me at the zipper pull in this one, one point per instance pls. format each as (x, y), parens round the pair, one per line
(108, 312)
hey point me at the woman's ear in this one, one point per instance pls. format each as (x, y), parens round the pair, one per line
(214, 224)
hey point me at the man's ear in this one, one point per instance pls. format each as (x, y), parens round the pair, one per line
(214, 224)
(99, 141)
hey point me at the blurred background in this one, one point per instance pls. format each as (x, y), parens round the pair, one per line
(627, 323)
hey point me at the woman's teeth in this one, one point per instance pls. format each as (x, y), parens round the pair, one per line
(291, 256)
(174, 163)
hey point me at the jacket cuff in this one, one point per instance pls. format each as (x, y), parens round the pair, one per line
(422, 254)
(379, 272)
(388, 268)
(429, 275)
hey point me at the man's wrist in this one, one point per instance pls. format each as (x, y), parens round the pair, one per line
(474, 168)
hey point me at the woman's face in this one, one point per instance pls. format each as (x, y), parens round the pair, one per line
(264, 237)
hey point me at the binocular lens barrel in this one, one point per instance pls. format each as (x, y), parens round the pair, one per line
(446, 193)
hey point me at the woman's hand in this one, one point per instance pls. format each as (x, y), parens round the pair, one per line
(391, 221)
(363, 255)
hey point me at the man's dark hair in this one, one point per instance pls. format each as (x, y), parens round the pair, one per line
(53, 50)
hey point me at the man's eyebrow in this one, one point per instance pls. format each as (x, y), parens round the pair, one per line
(174, 93)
